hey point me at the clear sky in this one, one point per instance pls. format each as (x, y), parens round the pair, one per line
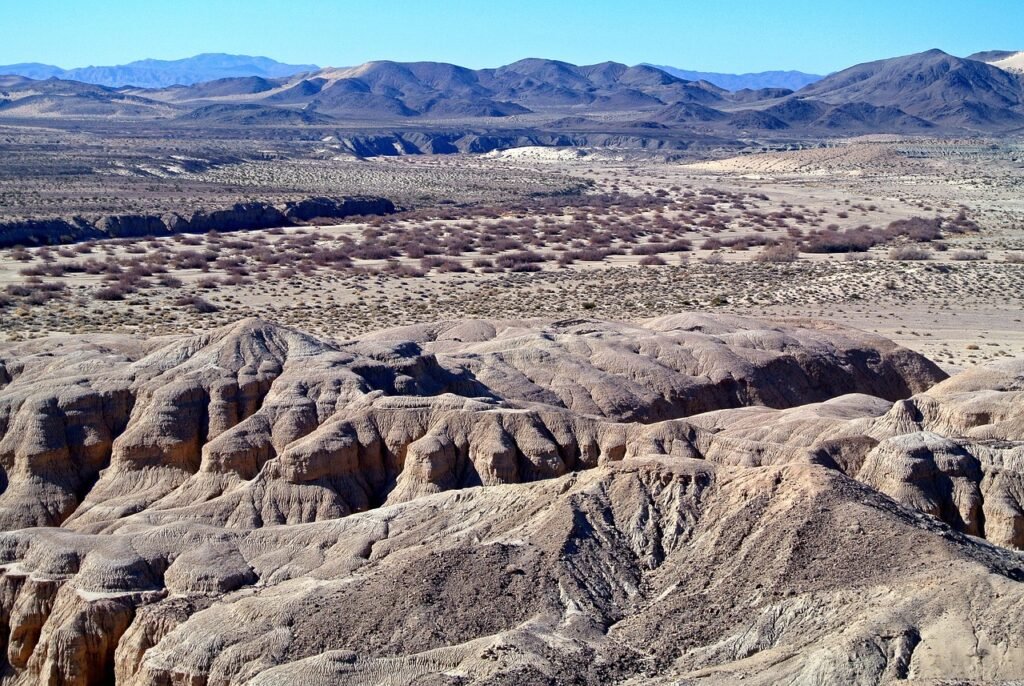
(709, 35)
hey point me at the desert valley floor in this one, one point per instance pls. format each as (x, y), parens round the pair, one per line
(511, 249)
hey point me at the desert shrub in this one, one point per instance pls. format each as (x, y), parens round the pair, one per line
(451, 266)
(114, 292)
(196, 304)
(968, 255)
(654, 248)
(431, 262)
(525, 267)
(906, 253)
(652, 261)
(236, 280)
(916, 229)
(1014, 257)
(396, 268)
(18, 290)
(40, 297)
(588, 254)
(714, 258)
(20, 254)
(207, 284)
(781, 252)
(962, 224)
(831, 240)
(55, 269)
(374, 251)
(711, 244)
(189, 259)
(482, 262)
(414, 250)
(520, 257)
(648, 249)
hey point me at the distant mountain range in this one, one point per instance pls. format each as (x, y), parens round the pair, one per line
(793, 80)
(931, 92)
(163, 73)
(212, 66)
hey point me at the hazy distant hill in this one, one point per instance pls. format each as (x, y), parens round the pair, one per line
(163, 73)
(793, 80)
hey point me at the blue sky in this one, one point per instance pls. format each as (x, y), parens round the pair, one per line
(710, 35)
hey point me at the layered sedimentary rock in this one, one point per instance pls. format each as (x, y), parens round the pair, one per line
(238, 217)
(510, 502)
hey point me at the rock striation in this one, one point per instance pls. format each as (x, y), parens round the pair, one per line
(585, 502)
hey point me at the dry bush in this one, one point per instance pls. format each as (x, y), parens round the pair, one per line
(831, 240)
(781, 252)
(196, 304)
(1014, 257)
(114, 292)
(656, 248)
(525, 267)
(968, 255)
(520, 258)
(652, 261)
(18, 290)
(905, 253)
(916, 229)
(374, 251)
(396, 268)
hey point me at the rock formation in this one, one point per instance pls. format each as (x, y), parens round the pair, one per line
(239, 217)
(579, 502)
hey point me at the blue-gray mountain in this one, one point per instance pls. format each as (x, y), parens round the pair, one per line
(792, 80)
(163, 73)
(930, 92)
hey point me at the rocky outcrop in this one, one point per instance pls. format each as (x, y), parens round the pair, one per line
(313, 208)
(691, 497)
(281, 427)
(47, 231)
(239, 217)
(732, 573)
(955, 451)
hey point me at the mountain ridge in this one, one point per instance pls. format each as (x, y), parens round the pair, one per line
(153, 73)
(931, 91)
(791, 79)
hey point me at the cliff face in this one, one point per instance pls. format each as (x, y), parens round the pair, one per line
(577, 501)
(239, 217)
